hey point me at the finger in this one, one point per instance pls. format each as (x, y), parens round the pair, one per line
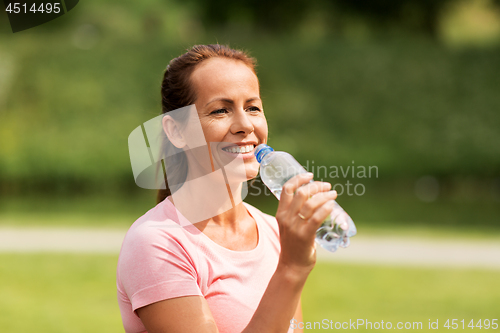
(314, 187)
(315, 202)
(291, 186)
(305, 192)
(319, 215)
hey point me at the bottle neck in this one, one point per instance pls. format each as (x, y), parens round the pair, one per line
(262, 151)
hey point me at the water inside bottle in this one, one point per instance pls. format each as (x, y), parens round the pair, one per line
(332, 233)
(335, 231)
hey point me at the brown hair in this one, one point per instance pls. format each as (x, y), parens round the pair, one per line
(177, 92)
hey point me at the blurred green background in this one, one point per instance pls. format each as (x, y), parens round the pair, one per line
(409, 87)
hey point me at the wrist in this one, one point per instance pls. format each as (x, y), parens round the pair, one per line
(293, 274)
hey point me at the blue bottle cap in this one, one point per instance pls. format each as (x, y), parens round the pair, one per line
(261, 151)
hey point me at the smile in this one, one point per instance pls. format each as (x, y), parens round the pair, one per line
(239, 149)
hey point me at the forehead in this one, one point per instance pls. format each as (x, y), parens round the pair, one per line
(217, 75)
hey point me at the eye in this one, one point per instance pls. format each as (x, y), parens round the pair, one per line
(254, 108)
(219, 111)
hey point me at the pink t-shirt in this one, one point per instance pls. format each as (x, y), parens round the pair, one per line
(164, 256)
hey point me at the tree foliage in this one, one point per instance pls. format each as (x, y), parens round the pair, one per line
(283, 15)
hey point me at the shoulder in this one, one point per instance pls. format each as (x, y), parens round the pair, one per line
(155, 250)
(150, 226)
(163, 221)
(156, 235)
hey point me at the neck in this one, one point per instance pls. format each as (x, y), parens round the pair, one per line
(206, 196)
(209, 199)
(230, 217)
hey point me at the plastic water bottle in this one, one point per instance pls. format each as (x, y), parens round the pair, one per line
(276, 168)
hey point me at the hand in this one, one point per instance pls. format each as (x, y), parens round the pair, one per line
(302, 208)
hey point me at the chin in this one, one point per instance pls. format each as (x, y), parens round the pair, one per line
(252, 171)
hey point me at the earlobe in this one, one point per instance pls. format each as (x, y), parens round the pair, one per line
(171, 129)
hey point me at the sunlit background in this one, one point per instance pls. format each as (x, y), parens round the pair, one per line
(409, 88)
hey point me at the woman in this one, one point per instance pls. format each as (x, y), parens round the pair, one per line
(237, 271)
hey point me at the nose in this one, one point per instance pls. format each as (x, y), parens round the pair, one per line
(242, 123)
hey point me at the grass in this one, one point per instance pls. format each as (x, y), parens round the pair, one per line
(397, 294)
(58, 293)
(76, 293)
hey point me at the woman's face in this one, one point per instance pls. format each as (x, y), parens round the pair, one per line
(230, 110)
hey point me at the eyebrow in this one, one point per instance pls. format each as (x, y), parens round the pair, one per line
(230, 101)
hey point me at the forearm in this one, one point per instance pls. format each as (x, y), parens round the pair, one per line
(279, 302)
(298, 252)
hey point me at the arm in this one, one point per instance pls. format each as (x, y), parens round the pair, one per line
(298, 316)
(280, 301)
(191, 315)
(182, 314)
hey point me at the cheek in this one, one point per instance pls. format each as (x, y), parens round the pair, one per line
(260, 124)
(260, 127)
(214, 131)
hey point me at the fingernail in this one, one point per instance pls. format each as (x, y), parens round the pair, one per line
(333, 192)
(309, 174)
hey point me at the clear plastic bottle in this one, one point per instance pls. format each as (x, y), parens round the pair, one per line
(276, 168)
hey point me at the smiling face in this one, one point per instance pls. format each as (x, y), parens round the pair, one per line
(230, 109)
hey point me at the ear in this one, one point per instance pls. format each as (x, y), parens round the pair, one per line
(171, 129)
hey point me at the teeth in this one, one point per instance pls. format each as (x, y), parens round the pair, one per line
(239, 149)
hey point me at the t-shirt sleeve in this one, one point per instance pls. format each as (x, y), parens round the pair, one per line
(154, 265)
